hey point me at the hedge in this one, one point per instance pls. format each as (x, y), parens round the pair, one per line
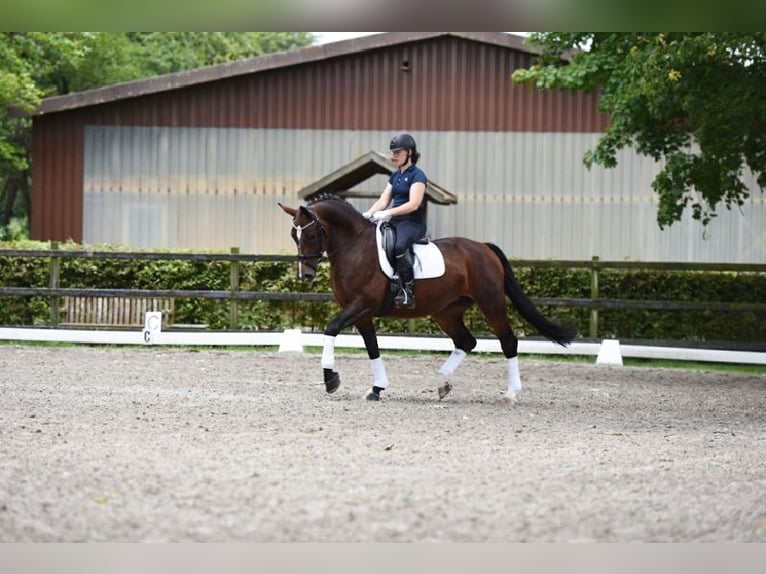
(742, 327)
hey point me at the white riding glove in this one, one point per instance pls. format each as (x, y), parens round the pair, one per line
(383, 215)
(367, 215)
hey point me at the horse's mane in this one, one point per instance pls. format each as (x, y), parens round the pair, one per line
(335, 201)
(327, 196)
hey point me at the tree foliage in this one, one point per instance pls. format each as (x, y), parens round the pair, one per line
(35, 65)
(692, 100)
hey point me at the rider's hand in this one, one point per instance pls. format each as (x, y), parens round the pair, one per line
(383, 215)
(367, 215)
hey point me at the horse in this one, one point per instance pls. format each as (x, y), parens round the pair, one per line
(478, 273)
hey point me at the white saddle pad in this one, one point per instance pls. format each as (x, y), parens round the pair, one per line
(429, 261)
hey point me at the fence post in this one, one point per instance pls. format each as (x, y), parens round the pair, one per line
(55, 272)
(234, 286)
(594, 295)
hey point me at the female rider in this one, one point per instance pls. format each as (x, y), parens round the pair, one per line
(405, 192)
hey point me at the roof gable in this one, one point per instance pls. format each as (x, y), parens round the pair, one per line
(362, 168)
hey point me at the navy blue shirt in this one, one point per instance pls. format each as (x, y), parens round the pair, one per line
(400, 184)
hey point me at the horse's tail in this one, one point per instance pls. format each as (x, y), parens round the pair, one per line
(561, 334)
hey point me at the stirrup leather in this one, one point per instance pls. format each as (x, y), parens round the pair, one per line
(405, 297)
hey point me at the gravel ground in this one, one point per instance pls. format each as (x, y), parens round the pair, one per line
(151, 444)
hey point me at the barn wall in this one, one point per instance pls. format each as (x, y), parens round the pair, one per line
(526, 191)
(449, 85)
(203, 166)
(57, 179)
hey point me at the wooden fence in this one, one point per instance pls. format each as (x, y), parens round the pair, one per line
(234, 294)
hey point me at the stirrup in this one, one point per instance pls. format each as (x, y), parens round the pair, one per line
(405, 299)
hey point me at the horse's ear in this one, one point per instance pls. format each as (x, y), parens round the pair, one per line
(288, 210)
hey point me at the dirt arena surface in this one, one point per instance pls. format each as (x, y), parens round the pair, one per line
(151, 444)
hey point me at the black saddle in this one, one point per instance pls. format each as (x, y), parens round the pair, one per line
(388, 239)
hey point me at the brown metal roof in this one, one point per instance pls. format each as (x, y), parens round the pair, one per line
(266, 62)
(363, 168)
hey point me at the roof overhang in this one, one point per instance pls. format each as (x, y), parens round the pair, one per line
(362, 168)
(266, 62)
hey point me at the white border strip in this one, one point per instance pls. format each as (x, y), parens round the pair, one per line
(245, 338)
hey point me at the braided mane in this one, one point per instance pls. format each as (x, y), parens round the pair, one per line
(326, 196)
(334, 203)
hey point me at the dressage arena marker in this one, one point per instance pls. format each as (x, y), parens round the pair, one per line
(152, 326)
(403, 343)
(609, 353)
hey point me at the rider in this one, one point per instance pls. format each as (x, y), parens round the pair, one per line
(405, 192)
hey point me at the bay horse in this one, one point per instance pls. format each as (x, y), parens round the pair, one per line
(475, 273)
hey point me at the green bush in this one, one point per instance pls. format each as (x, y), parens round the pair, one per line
(267, 276)
(683, 286)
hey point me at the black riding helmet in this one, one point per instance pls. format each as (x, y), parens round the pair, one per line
(405, 141)
(402, 141)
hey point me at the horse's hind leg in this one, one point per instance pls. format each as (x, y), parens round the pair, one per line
(494, 311)
(451, 322)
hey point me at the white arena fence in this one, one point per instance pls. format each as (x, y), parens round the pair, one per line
(606, 351)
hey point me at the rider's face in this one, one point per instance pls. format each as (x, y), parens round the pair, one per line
(399, 157)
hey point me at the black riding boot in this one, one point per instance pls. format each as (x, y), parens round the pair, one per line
(405, 297)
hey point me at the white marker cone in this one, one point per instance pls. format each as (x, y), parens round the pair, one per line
(291, 341)
(609, 353)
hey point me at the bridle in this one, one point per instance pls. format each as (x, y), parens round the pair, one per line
(299, 229)
(317, 257)
(323, 240)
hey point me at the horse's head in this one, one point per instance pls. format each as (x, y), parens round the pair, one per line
(311, 239)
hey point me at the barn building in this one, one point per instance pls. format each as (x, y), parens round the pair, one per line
(199, 159)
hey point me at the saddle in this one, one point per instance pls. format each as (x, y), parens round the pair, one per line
(429, 261)
(388, 239)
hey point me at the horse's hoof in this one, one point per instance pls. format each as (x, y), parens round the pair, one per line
(444, 390)
(510, 399)
(331, 381)
(372, 395)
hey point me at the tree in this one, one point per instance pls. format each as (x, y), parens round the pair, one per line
(135, 55)
(694, 100)
(28, 61)
(35, 65)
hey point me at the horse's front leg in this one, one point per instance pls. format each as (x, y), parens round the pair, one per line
(345, 318)
(366, 328)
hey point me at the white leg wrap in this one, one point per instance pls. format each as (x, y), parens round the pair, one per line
(452, 362)
(514, 378)
(379, 373)
(328, 352)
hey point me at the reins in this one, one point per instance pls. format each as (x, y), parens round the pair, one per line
(348, 242)
(323, 237)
